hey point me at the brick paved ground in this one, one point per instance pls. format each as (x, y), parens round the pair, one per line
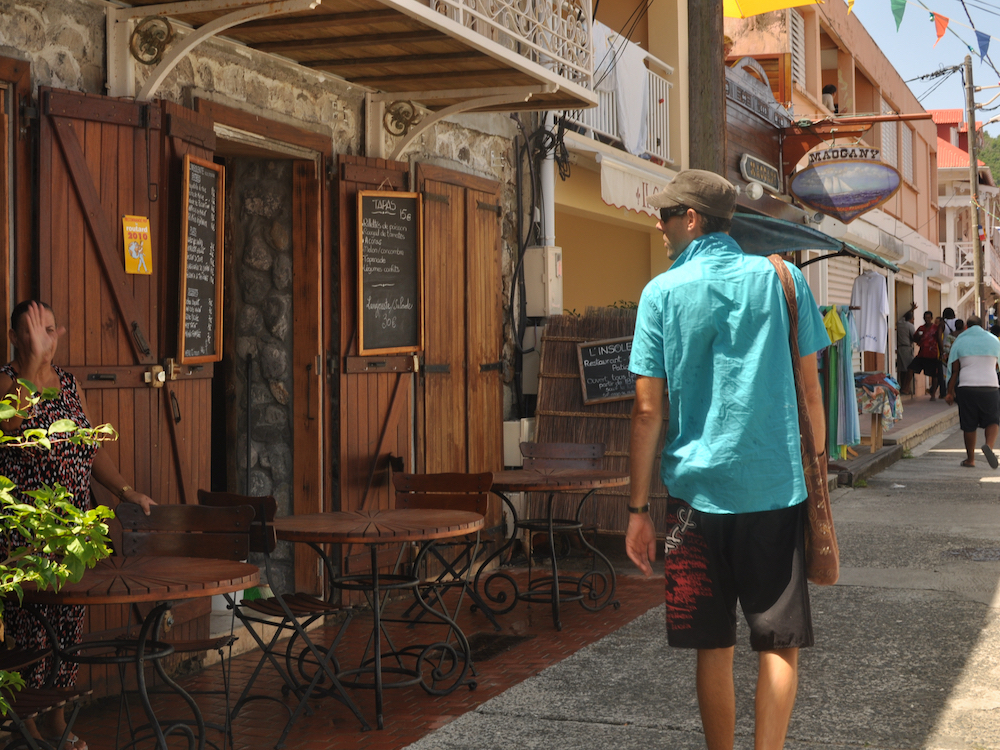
(410, 712)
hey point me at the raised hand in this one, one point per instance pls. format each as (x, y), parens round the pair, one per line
(43, 335)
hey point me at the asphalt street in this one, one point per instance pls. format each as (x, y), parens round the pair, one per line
(907, 653)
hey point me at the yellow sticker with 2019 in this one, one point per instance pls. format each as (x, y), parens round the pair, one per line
(138, 245)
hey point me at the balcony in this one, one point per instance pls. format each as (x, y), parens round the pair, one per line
(959, 256)
(437, 53)
(601, 122)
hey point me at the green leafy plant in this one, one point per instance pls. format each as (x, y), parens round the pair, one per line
(625, 304)
(61, 541)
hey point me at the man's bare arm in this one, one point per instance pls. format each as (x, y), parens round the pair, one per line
(953, 382)
(647, 422)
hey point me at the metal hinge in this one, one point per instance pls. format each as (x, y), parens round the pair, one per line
(437, 368)
(491, 366)
(489, 207)
(436, 197)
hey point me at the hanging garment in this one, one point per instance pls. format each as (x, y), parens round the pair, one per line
(834, 325)
(632, 96)
(848, 423)
(871, 296)
(604, 58)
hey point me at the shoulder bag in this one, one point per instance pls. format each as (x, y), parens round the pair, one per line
(822, 553)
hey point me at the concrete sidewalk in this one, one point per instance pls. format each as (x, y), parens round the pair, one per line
(907, 652)
(922, 419)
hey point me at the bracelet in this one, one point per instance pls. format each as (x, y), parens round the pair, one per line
(122, 491)
(640, 509)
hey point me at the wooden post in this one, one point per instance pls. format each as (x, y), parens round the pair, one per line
(706, 85)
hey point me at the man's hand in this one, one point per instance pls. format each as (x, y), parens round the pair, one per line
(640, 542)
(949, 398)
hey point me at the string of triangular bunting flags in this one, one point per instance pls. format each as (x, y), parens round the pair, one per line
(941, 25)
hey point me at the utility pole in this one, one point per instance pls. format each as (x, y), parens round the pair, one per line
(706, 87)
(977, 245)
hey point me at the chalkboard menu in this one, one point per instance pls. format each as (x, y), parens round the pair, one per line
(390, 281)
(604, 373)
(200, 330)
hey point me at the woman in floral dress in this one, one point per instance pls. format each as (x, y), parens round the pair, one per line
(34, 337)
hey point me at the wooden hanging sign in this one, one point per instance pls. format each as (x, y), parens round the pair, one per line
(202, 232)
(390, 272)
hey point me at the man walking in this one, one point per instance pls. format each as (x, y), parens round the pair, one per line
(713, 333)
(905, 332)
(973, 384)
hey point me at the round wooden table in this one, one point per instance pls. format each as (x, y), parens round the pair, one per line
(594, 589)
(373, 528)
(130, 580)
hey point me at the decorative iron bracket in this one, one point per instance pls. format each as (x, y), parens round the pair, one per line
(376, 112)
(121, 71)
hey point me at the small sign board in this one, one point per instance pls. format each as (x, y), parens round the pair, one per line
(138, 245)
(390, 272)
(758, 170)
(604, 373)
(202, 223)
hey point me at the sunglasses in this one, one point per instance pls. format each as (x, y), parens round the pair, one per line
(668, 213)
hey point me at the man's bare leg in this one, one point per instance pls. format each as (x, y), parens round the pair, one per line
(717, 697)
(777, 681)
(991, 435)
(970, 446)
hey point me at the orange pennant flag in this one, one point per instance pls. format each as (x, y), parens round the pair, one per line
(941, 24)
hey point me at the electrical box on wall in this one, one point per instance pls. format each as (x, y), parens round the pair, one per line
(543, 293)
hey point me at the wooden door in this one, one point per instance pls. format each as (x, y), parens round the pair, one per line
(99, 160)
(460, 391)
(373, 427)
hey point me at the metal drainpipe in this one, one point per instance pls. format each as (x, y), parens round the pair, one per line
(548, 180)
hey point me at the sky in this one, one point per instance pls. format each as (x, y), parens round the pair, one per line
(912, 52)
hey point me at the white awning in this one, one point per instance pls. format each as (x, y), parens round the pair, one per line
(628, 186)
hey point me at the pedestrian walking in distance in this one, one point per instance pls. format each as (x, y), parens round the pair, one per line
(973, 385)
(712, 336)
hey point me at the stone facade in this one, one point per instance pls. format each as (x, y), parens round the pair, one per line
(259, 287)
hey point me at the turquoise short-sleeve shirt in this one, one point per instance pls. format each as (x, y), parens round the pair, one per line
(715, 326)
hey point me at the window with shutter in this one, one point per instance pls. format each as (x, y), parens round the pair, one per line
(907, 150)
(798, 42)
(889, 138)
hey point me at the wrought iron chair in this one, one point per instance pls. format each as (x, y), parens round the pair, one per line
(30, 703)
(188, 531)
(290, 615)
(469, 492)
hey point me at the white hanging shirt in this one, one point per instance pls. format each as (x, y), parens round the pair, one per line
(870, 294)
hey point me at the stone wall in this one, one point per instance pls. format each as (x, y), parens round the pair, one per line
(259, 285)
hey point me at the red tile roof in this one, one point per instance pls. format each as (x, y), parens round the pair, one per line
(947, 116)
(950, 156)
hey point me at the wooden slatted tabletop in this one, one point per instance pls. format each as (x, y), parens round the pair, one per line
(557, 480)
(375, 526)
(121, 580)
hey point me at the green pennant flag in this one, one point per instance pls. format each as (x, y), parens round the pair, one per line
(898, 6)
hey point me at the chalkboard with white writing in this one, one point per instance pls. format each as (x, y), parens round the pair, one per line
(200, 330)
(390, 280)
(604, 373)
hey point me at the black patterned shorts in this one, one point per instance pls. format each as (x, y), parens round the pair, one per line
(713, 560)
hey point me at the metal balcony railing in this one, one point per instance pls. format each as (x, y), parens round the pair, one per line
(602, 121)
(553, 33)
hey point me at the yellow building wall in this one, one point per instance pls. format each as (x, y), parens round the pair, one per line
(602, 263)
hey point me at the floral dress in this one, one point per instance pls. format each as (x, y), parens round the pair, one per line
(30, 468)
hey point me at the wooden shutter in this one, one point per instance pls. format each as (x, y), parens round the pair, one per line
(460, 412)
(101, 159)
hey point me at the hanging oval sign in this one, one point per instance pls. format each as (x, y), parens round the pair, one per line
(845, 189)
